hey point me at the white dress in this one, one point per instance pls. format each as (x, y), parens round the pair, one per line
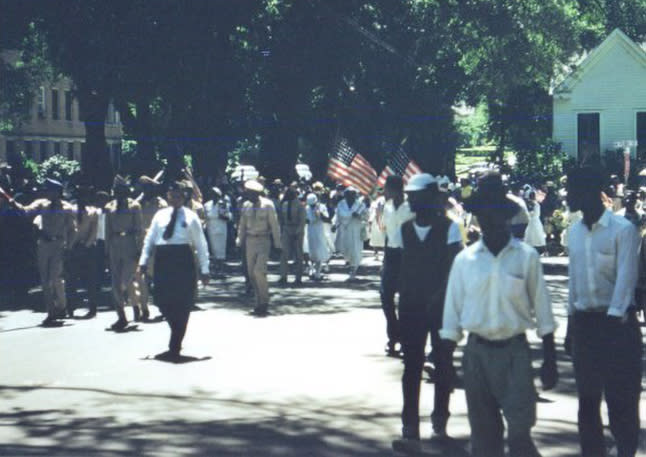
(217, 227)
(534, 233)
(349, 241)
(377, 233)
(316, 238)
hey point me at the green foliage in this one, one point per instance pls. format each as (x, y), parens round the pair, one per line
(245, 151)
(473, 129)
(545, 163)
(58, 167)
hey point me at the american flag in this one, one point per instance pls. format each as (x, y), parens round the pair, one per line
(401, 165)
(350, 168)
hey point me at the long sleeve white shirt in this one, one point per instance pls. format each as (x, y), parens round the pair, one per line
(603, 266)
(188, 230)
(393, 219)
(497, 297)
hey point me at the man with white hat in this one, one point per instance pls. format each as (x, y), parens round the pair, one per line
(258, 222)
(430, 242)
(349, 216)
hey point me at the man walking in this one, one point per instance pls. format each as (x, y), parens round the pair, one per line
(175, 233)
(293, 220)
(429, 244)
(218, 214)
(396, 213)
(123, 237)
(497, 292)
(258, 222)
(607, 341)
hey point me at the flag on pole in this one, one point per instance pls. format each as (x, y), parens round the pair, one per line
(350, 168)
(401, 165)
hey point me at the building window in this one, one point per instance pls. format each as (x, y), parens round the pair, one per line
(55, 115)
(641, 135)
(43, 150)
(68, 105)
(588, 138)
(29, 150)
(42, 107)
(70, 151)
(57, 148)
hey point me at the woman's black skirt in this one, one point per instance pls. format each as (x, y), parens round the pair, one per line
(175, 279)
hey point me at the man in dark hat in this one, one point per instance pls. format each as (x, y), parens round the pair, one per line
(607, 341)
(293, 218)
(83, 261)
(57, 229)
(497, 292)
(174, 234)
(123, 238)
(428, 245)
(150, 202)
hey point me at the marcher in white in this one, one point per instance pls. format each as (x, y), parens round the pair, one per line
(218, 214)
(349, 218)
(377, 231)
(317, 242)
(534, 233)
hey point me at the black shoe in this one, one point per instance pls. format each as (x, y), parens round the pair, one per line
(136, 316)
(407, 446)
(49, 321)
(260, 312)
(392, 349)
(145, 315)
(119, 325)
(70, 313)
(90, 314)
(282, 282)
(298, 282)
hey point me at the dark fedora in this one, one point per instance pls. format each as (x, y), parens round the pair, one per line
(491, 196)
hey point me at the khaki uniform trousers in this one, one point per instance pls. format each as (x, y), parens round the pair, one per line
(292, 244)
(123, 264)
(257, 255)
(50, 268)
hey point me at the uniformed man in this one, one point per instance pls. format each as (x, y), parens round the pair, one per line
(258, 222)
(123, 238)
(56, 233)
(150, 202)
(293, 218)
(84, 258)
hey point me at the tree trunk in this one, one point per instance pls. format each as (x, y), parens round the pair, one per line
(95, 160)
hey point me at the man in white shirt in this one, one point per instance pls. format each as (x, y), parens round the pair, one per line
(173, 234)
(396, 212)
(607, 341)
(497, 292)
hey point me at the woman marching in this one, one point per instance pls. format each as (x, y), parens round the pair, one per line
(174, 233)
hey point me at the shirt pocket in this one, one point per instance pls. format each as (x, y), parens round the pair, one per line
(513, 287)
(606, 264)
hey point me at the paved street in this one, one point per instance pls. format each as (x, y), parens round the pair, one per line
(309, 380)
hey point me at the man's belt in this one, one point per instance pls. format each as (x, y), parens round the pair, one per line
(257, 235)
(497, 343)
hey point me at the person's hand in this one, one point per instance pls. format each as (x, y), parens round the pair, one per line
(549, 374)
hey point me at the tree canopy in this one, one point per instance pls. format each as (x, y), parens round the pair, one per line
(279, 80)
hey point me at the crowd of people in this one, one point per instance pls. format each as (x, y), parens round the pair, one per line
(457, 257)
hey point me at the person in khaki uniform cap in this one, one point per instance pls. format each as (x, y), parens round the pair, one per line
(150, 202)
(123, 239)
(57, 230)
(258, 221)
(293, 220)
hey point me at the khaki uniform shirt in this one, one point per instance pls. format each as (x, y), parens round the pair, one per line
(88, 226)
(293, 216)
(259, 220)
(149, 208)
(56, 224)
(124, 224)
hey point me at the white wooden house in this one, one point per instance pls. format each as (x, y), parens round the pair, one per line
(603, 101)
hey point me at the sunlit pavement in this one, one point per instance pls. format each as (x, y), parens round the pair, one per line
(309, 380)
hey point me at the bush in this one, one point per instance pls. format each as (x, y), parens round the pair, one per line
(545, 163)
(58, 167)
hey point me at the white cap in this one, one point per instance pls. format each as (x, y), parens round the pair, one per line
(253, 186)
(350, 189)
(312, 199)
(420, 181)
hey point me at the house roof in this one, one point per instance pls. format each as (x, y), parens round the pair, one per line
(617, 37)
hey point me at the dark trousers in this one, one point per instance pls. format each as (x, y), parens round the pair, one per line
(414, 332)
(83, 272)
(177, 318)
(607, 361)
(389, 286)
